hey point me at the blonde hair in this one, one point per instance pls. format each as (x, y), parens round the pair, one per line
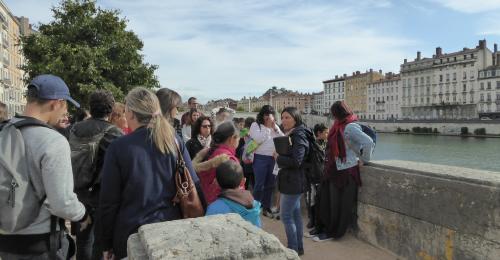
(146, 108)
(118, 112)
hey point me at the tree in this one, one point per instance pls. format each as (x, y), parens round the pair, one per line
(89, 48)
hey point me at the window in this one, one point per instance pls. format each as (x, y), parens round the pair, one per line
(489, 85)
(481, 86)
(454, 76)
(488, 97)
(440, 78)
(465, 75)
(498, 84)
(481, 97)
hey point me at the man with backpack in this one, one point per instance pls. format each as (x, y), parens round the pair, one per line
(89, 140)
(36, 179)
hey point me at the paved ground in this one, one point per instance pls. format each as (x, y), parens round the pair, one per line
(346, 248)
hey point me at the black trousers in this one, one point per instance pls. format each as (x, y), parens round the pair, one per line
(337, 207)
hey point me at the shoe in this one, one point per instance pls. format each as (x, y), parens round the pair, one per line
(310, 224)
(267, 213)
(322, 237)
(312, 233)
(300, 252)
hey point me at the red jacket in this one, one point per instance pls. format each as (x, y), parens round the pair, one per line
(207, 178)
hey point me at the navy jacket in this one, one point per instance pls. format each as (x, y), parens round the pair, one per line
(291, 177)
(137, 188)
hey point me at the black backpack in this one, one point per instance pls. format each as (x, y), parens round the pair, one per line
(370, 132)
(315, 161)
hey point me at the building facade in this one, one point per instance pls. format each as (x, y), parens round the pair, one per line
(334, 90)
(317, 103)
(356, 91)
(489, 88)
(384, 98)
(12, 87)
(444, 86)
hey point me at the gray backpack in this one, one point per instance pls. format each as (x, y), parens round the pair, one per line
(83, 158)
(19, 202)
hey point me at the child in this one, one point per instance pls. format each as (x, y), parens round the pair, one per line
(233, 199)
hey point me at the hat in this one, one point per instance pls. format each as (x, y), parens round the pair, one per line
(52, 87)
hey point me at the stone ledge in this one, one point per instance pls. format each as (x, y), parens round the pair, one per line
(214, 237)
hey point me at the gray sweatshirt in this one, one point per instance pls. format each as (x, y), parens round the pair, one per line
(49, 158)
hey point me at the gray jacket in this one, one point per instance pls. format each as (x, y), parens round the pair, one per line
(359, 146)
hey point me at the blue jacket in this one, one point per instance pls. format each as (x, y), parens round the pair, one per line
(137, 188)
(358, 146)
(225, 206)
(291, 177)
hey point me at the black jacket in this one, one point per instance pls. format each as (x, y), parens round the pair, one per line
(89, 128)
(193, 146)
(291, 177)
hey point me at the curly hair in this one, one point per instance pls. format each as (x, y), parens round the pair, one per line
(101, 103)
(196, 128)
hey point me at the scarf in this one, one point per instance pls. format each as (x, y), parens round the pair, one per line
(336, 141)
(205, 141)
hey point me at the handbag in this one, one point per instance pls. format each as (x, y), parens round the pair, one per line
(186, 195)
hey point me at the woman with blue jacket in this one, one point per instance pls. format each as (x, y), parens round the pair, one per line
(138, 184)
(291, 177)
(347, 147)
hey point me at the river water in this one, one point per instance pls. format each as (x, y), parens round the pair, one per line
(476, 153)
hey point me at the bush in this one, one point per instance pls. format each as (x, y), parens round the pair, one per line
(480, 131)
(240, 109)
(257, 109)
(464, 130)
(435, 131)
(399, 130)
(407, 130)
(416, 129)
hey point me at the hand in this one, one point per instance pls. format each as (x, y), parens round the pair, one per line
(108, 255)
(275, 155)
(86, 223)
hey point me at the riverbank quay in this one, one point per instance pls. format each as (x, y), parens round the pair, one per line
(438, 134)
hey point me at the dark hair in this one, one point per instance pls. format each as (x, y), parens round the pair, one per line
(229, 175)
(101, 103)
(190, 100)
(238, 120)
(32, 96)
(294, 112)
(249, 121)
(80, 115)
(223, 132)
(221, 110)
(319, 128)
(339, 110)
(3, 112)
(265, 110)
(196, 127)
(169, 100)
(190, 115)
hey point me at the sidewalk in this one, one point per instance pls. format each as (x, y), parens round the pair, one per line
(346, 248)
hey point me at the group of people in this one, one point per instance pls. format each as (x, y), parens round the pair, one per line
(112, 169)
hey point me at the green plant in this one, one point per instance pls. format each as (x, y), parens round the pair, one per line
(240, 109)
(435, 131)
(257, 109)
(464, 130)
(480, 131)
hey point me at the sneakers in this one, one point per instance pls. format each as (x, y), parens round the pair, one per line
(322, 237)
(267, 213)
(312, 233)
(310, 224)
(300, 252)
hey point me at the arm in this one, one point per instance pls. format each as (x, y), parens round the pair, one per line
(260, 134)
(57, 177)
(359, 142)
(110, 197)
(300, 145)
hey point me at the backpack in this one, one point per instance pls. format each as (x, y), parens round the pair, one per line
(83, 158)
(369, 132)
(19, 202)
(315, 161)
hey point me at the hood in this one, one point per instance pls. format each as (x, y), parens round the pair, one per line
(89, 127)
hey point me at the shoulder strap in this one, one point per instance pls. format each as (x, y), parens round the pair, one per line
(30, 122)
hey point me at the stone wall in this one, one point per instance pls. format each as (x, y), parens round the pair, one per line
(214, 237)
(424, 211)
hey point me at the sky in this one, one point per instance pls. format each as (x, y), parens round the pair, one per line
(215, 49)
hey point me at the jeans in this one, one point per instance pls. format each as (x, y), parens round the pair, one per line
(265, 180)
(292, 219)
(86, 244)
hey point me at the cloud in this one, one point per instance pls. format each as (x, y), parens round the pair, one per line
(470, 6)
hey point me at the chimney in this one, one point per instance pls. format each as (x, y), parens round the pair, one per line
(418, 55)
(358, 72)
(482, 44)
(371, 70)
(498, 59)
(345, 75)
(405, 61)
(354, 73)
(439, 52)
(495, 47)
(380, 71)
(336, 76)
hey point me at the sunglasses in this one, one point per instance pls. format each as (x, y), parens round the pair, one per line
(206, 126)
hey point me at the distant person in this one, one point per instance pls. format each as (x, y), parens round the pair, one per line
(118, 118)
(292, 176)
(347, 146)
(3, 112)
(246, 160)
(89, 140)
(138, 181)
(192, 104)
(80, 115)
(194, 114)
(45, 175)
(232, 199)
(169, 102)
(239, 123)
(224, 141)
(201, 136)
(222, 116)
(262, 132)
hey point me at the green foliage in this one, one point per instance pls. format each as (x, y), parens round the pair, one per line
(89, 48)
(240, 109)
(464, 130)
(480, 131)
(257, 109)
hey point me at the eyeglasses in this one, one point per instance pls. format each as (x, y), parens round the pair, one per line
(206, 126)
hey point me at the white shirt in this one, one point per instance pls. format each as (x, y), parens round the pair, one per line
(264, 137)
